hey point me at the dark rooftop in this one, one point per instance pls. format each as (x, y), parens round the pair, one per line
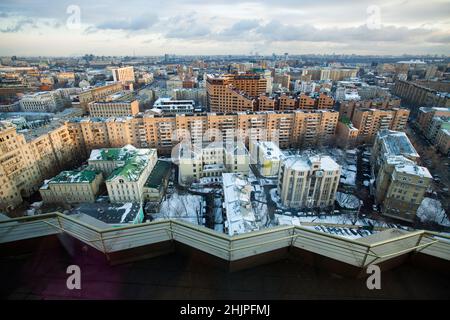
(110, 213)
(160, 170)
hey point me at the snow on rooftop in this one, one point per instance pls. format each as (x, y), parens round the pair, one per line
(240, 215)
(304, 162)
(413, 169)
(397, 143)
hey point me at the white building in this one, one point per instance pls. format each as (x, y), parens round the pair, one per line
(308, 181)
(168, 105)
(266, 156)
(207, 163)
(127, 170)
(304, 86)
(50, 101)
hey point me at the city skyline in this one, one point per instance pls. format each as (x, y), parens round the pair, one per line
(189, 27)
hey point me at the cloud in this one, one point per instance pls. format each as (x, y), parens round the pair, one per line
(143, 22)
(187, 26)
(18, 26)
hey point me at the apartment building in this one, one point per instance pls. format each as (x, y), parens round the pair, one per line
(369, 121)
(266, 156)
(98, 93)
(26, 160)
(443, 141)
(418, 94)
(115, 108)
(50, 101)
(72, 187)
(266, 103)
(234, 92)
(124, 74)
(400, 183)
(287, 103)
(207, 163)
(346, 134)
(308, 182)
(426, 115)
(334, 74)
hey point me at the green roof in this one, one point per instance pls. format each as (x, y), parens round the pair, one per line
(75, 176)
(131, 170)
(345, 120)
(113, 154)
(158, 173)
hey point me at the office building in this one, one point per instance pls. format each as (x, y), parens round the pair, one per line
(308, 182)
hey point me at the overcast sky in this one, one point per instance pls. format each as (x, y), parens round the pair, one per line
(155, 27)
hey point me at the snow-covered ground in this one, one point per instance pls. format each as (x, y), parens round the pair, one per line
(347, 201)
(430, 210)
(351, 233)
(186, 207)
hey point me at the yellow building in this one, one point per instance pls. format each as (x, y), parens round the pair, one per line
(72, 187)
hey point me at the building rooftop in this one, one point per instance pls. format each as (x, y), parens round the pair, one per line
(132, 169)
(413, 169)
(160, 170)
(108, 213)
(238, 207)
(270, 149)
(74, 176)
(397, 143)
(305, 162)
(116, 154)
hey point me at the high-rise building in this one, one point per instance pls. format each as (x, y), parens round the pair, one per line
(124, 74)
(308, 182)
(234, 92)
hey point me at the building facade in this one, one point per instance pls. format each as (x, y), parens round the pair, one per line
(72, 187)
(400, 183)
(308, 182)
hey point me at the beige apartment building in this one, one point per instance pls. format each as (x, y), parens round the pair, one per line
(72, 187)
(400, 183)
(346, 134)
(291, 129)
(98, 93)
(266, 103)
(426, 115)
(26, 160)
(443, 141)
(234, 92)
(113, 109)
(125, 74)
(369, 121)
(308, 182)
